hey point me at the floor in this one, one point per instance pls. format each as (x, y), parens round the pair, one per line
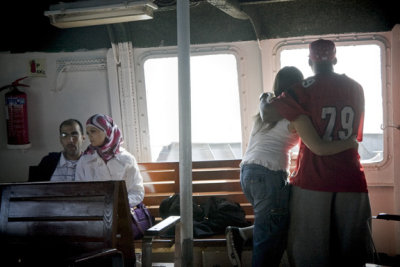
(214, 257)
(206, 257)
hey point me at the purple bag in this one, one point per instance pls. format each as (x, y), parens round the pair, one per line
(142, 220)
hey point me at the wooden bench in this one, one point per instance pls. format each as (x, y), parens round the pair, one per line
(209, 178)
(65, 224)
(220, 178)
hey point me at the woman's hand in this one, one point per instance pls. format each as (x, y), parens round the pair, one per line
(267, 97)
(268, 114)
(353, 140)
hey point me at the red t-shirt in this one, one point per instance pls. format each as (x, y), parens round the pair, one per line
(335, 105)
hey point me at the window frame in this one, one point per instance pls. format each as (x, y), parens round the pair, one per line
(352, 39)
(143, 55)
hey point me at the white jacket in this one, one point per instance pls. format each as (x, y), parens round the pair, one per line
(91, 167)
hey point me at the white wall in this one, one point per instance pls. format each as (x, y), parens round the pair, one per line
(82, 93)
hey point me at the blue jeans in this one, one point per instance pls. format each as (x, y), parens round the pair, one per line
(268, 192)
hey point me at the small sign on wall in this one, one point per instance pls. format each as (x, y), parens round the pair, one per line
(37, 67)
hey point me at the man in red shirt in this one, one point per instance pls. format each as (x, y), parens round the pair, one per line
(330, 208)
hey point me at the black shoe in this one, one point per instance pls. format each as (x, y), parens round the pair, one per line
(234, 243)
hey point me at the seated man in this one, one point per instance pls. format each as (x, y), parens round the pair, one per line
(60, 166)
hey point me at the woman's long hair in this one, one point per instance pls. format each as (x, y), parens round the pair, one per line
(284, 80)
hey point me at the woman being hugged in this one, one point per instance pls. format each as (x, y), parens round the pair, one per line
(105, 158)
(263, 176)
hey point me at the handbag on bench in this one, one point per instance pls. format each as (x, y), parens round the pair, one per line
(142, 220)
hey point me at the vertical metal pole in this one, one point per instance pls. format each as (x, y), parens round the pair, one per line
(185, 138)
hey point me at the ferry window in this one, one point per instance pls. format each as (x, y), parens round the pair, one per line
(216, 120)
(363, 64)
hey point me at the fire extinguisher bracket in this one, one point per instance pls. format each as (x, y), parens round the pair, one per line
(22, 147)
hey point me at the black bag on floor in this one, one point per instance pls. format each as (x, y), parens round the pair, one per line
(221, 213)
(210, 218)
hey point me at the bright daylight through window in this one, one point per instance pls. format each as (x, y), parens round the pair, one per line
(215, 107)
(363, 64)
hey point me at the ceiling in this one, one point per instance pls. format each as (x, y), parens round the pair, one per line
(25, 28)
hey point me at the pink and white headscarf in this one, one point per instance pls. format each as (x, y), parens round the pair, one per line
(113, 136)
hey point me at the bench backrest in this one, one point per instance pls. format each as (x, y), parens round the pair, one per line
(65, 219)
(209, 178)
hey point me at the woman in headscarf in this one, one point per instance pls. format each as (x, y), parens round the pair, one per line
(105, 159)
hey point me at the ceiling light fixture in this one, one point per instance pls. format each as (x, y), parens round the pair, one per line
(89, 13)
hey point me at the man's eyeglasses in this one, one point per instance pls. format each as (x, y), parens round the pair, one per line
(68, 135)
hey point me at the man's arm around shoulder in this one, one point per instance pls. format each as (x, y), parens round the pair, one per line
(268, 112)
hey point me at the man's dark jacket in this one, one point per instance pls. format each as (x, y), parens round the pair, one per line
(45, 169)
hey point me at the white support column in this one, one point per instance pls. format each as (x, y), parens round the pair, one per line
(185, 138)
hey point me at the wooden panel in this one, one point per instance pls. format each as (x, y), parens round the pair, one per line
(51, 207)
(46, 189)
(159, 175)
(159, 188)
(223, 174)
(154, 210)
(158, 166)
(248, 209)
(80, 216)
(216, 164)
(216, 187)
(82, 230)
(155, 198)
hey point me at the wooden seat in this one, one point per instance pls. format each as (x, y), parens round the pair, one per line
(77, 220)
(66, 224)
(219, 178)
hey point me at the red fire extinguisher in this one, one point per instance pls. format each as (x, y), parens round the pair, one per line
(16, 115)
